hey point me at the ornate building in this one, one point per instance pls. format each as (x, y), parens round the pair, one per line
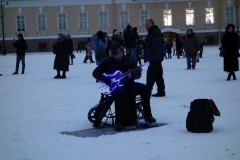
(41, 21)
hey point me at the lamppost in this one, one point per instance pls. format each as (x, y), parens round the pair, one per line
(3, 39)
(236, 3)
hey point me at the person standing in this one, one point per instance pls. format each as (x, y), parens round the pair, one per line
(130, 42)
(230, 43)
(154, 53)
(69, 48)
(178, 46)
(79, 47)
(169, 50)
(174, 47)
(191, 46)
(201, 43)
(99, 42)
(61, 62)
(21, 46)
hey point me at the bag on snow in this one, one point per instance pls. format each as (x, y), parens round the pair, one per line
(200, 117)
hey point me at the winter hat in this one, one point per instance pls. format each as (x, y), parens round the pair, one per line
(116, 33)
(20, 35)
(129, 27)
(100, 35)
(115, 48)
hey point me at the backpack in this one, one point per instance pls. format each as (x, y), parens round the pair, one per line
(200, 117)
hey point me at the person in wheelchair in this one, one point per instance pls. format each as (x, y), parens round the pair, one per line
(127, 88)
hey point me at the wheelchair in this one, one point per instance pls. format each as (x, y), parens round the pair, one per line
(109, 118)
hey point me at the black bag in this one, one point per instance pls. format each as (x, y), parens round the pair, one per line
(100, 54)
(222, 52)
(200, 117)
(73, 56)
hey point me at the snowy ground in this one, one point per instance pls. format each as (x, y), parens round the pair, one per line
(35, 108)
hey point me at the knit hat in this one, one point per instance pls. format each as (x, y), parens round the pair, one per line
(116, 33)
(115, 48)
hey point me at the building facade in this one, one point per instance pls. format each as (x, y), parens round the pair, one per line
(41, 21)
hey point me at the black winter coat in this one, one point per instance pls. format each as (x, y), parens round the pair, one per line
(230, 43)
(61, 61)
(110, 65)
(21, 46)
(116, 38)
(130, 40)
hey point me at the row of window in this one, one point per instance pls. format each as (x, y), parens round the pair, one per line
(124, 19)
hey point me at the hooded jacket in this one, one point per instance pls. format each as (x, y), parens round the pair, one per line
(21, 46)
(190, 41)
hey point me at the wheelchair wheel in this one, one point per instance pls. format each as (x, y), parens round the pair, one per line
(91, 112)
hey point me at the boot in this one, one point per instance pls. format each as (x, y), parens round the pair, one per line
(229, 76)
(91, 60)
(234, 76)
(15, 73)
(63, 75)
(58, 75)
(150, 119)
(85, 59)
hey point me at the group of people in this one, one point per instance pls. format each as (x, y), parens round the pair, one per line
(120, 61)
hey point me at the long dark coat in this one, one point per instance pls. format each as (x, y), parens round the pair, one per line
(230, 43)
(61, 61)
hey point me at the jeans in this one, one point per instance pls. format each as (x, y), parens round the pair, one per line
(191, 58)
(20, 58)
(132, 52)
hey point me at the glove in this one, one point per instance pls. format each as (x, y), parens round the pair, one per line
(107, 81)
(198, 53)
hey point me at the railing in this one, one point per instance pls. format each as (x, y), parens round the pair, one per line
(41, 33)
(65, 32)
(83, 31)
(209, 26)
(190, 27)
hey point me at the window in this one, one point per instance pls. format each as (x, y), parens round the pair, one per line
(83, 20)
(190, 17)
(209, 16)
(143, 16)
(229, 15)
(103, 16)
(21, 23)
(41, 19)
(62, 21)
(167, 17)
(123, 19)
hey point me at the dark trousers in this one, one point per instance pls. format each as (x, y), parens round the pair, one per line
(124, 97)
(178, 53)
(155, 74)
(201, 52)
(71, 59)
(191, 58)
(18, 59)
(78, 49)
(174, 50)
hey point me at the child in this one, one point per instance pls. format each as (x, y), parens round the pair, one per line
(88, 53)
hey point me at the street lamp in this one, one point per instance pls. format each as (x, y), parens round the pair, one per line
(2, 15)
(236, 3)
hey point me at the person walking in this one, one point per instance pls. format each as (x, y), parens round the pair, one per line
(201, 43)
(61, 62)
(99, 42)
(174, 47)
(21, 46)
(230, 44)
(154, 53)
(191, 46)
(88, 53)
(178, 46)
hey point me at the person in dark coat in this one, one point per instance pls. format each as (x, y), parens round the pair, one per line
(178, 46)
(191, 44)
(118, 61)
(21, 46)
(201, 43)
(169, 50)
(61, 62)
(230, 43)
(69, 48)
(130, 42)
(109, 44)
(79, 47)
(138, 51)
(155, 55)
